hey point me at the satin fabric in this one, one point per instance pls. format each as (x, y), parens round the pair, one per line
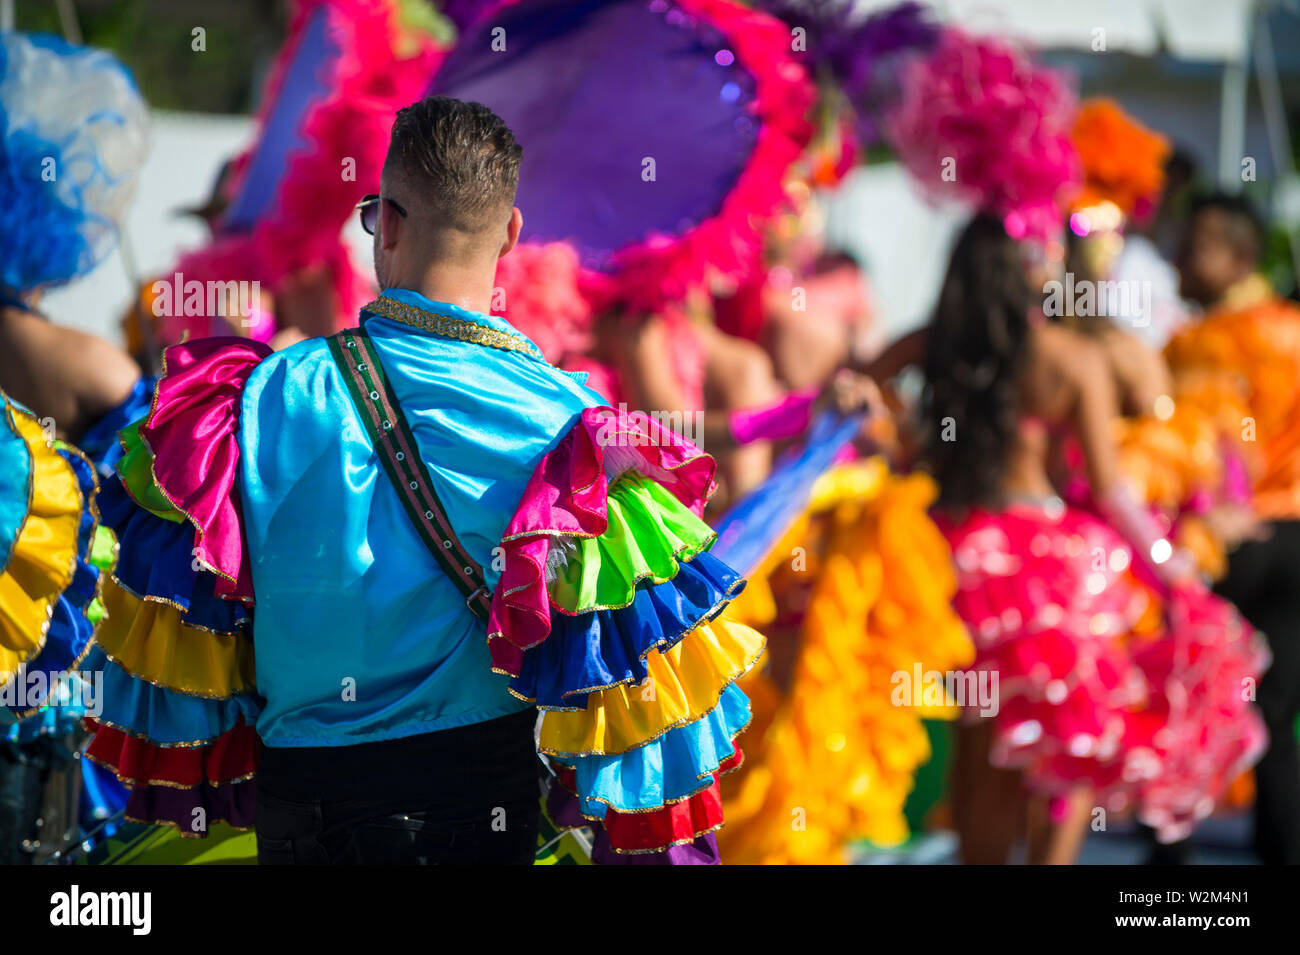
(679, 834)
(15, 481)
(135, 468)
(149, 639)
(232, 756)
(566, 501)
(648, 531)
(42, 560)
(349, 598)
(233, 803)
(676, 765)
(686, 682)
(192, 432)
(156, 560)
(603, 648)
(159, 715)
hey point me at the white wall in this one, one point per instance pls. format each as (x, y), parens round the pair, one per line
(185, 152)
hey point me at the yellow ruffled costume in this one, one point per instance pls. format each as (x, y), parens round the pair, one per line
(831, 758)
(42, 557)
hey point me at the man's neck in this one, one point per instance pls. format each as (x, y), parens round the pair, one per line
(461, 287)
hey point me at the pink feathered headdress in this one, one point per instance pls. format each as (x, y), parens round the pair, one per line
(979, 120)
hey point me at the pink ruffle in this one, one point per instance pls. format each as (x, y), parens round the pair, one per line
(192, 434)
(566, 497)
(982, 109)
(373, 77)
(1151, 721)
(1211, 732)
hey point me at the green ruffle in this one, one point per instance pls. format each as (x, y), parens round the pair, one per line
(649, 532)
(136, 471)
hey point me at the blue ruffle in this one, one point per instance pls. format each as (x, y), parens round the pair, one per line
(156, 559)
(672, 767)
(167, 718)
(604, 648)
(100, 442)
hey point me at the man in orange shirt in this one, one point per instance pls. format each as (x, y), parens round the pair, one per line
(1248, 345)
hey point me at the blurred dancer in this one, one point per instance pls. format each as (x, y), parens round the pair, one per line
(75, 138)
(1247, 347)
(74, 133)
(1063, 607)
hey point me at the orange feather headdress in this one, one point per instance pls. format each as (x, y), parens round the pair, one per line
(1123, 161)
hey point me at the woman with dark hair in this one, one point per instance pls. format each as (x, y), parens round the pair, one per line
(1108, 678)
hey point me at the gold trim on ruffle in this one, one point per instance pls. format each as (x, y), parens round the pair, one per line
(127, 731)
(717, 774)
(242, 624)
(41, 608)
(665, 848)
(165, 783)
(665, 644)
(693, 714)
(159, 655)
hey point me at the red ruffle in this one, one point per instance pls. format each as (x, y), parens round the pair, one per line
(192, 435)
(230, 757)
(567, 496)
(674, 824)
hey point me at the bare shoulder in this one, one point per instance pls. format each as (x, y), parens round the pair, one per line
(96, 373)
(1063, 352)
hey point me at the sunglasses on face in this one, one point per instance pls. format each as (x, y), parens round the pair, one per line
(368, 208)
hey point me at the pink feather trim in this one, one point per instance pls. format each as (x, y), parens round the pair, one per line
(371, 80)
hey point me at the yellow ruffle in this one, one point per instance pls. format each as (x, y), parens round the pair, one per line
(685, 684)
(149, 640)
(44, 555)
(829, 757)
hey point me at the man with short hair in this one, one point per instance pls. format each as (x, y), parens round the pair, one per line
(1248, 344)
(381, 495)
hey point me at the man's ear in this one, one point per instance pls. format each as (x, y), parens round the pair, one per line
(512, 231)
(390, 224)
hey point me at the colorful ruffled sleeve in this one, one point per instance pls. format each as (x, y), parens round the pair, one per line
(608, 615)
(50, 546)
(175, 650)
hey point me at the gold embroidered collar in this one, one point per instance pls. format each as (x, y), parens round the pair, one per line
(449, 327)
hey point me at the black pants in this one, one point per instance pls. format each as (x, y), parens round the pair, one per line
(461, 796)
(1263, 580)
